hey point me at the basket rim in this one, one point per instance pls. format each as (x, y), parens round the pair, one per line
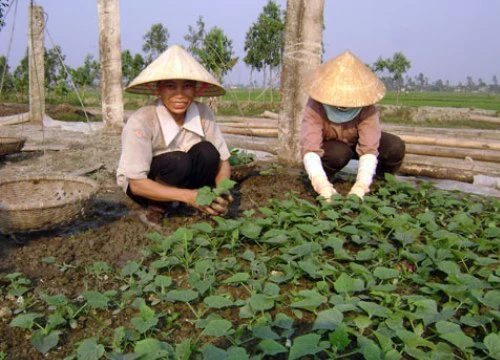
(243, 166)
(52, 203)
(10, 139)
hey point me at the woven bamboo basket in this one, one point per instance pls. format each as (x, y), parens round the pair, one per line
(240, 172)
(11, 144)
(36, 203)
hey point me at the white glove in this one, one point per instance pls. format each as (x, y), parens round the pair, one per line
(366, 171)
(317, 175)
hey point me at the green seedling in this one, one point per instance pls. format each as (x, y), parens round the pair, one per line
(240, 157)
(206, 195)
(44, 335)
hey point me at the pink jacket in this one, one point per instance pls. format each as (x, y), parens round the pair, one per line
(363, 131)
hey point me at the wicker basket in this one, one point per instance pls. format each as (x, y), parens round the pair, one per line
(11, 144)
(240, 172)
(37, 203)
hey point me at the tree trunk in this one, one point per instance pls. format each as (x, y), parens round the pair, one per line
(111, 64)
(36, 65)
(302, 53)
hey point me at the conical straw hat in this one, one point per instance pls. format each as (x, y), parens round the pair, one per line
(344, 81)
(175, 63)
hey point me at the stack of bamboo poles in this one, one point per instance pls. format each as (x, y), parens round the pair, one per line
(455, 154)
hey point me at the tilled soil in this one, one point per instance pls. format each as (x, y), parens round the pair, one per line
(109, 231)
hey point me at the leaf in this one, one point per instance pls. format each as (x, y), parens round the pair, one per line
(152, 349)
(237, 278)
(264, 332)
(43, 343)
(453, 333)
(211, 352)
(163, 281)
(144, 324)
(251, 230)
(369, 349)
(181, 295)
(449, 267)
(347, 284)
(492, 343)
(96, 299)
(305, 345)
(271, 347)
(311, 300)
(384, 273)
(56, 300)
(130, 269)
(374, 309)
(283, 321)
(217, 327)
(340, 338)
(328, 320)
(217, 302)
(89, 349)
(205, 196)
(261, 302)
(183, 350)
(25, 321)
(225, 185)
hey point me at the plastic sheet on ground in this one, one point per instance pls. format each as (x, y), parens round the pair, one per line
(79, 126)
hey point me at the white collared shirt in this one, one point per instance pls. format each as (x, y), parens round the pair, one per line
(152, 131)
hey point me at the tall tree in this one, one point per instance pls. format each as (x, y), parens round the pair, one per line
(396, 66)
(6, 80)
(132, 65)
(86, 75)
(216, 53)
(21, 76)
(54, 68)
(155, 42)
(195, 36)
(3, 5)
(264, 40)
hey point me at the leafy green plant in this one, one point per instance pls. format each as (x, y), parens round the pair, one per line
(240, 157)
(207, 195)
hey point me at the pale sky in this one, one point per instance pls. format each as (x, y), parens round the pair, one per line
(443, 39)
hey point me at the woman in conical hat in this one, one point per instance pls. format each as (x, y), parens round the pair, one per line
(173, 147)
(340, 123)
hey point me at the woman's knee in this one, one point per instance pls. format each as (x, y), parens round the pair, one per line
(205, 152)
(337, 155)
(173, 168)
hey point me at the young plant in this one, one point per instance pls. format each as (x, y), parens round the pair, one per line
(206, 195)
(240, 157)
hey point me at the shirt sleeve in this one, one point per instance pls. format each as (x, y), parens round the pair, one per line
(137, 149)
(213, 132)
(311, 129)
(369, 131)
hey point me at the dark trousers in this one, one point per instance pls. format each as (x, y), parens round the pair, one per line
(188, 170)
(391, 153)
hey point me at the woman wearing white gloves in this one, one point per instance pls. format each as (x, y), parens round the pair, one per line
(341, 123)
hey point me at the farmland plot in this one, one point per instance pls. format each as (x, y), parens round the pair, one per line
(410, 272)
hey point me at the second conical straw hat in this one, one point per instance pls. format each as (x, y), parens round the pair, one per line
(344, 81)
(175, 63)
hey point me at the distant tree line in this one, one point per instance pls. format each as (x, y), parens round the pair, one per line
(214, 49)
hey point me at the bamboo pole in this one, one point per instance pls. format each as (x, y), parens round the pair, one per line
(252, 143)
(453, 152)
(452, 142)
(466, 133)
(436, 172)
(248, 131)
(477, 167)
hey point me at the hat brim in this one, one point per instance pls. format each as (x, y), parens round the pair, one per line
(344, 81)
